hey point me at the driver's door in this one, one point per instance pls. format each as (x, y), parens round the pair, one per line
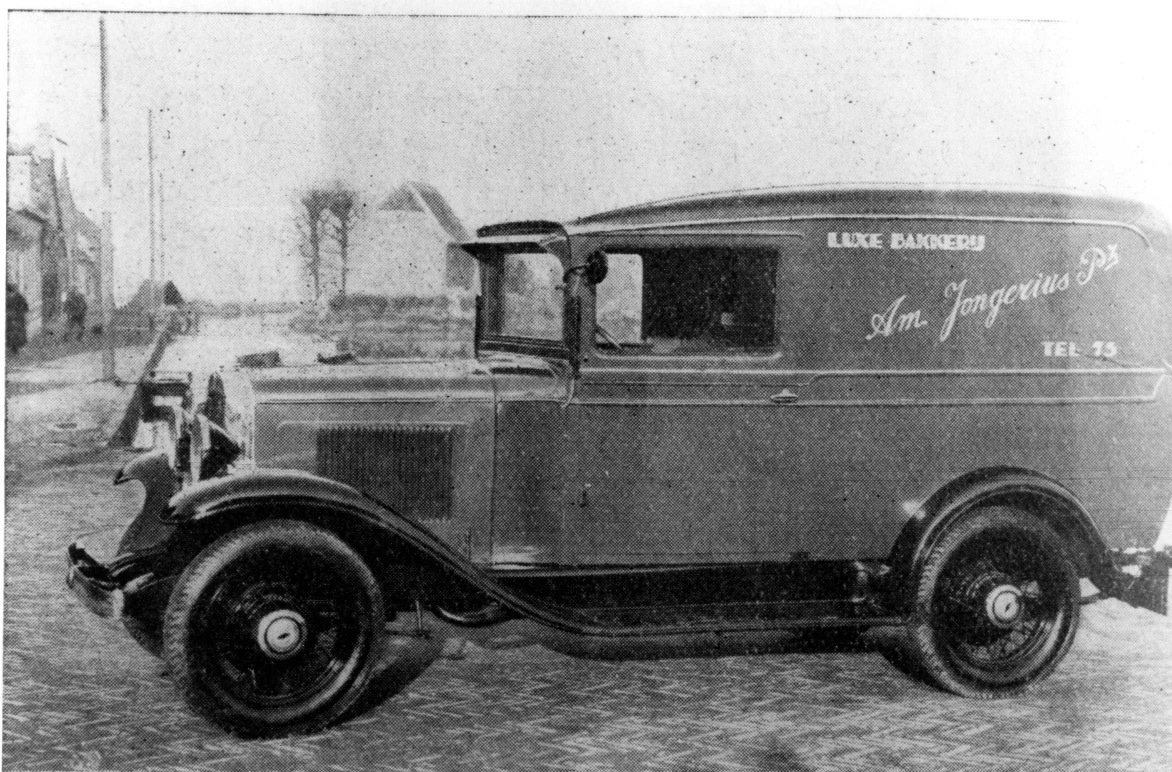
(678, 448)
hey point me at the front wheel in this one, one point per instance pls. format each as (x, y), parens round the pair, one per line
(274, 629)
(996, 605)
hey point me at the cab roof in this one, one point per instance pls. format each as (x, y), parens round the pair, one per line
(744, 208)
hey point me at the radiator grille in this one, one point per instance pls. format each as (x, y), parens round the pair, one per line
(408, 468)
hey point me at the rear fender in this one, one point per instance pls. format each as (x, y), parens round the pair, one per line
(1035, 493)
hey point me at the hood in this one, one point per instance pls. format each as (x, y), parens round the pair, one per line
(409, 381)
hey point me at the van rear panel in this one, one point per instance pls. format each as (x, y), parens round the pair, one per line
(958, 294)
(949, 345)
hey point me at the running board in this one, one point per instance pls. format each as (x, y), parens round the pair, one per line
(685, 619)
(633, 622)
(623, 634)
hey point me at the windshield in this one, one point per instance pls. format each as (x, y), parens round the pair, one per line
(524, 297)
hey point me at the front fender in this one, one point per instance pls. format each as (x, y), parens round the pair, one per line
(158, 478)
(203, 511)
(218, 504)
(282, 492)
(210, 498)
(207, 509)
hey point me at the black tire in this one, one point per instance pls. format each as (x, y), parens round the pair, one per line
(996, 605)
(274, 629)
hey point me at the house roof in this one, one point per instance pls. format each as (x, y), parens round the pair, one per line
(33, 195)
(151, 294)
(421, 197)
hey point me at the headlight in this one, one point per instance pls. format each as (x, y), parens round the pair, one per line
(219, 433)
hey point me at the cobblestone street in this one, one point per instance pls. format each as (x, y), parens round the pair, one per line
(80, 695)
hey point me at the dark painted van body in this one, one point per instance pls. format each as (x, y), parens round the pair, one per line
(646, 460)
(776, 410)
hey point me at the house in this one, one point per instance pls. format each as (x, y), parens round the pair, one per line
(148, 305)
(34, 239)
(51, 245)
(407, 245)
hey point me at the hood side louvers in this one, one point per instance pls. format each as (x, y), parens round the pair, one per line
(406, 467)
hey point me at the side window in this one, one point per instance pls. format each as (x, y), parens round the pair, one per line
(618, 304)
(687, 301)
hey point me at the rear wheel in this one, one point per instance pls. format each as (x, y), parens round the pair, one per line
(274, 629)
(996, 605)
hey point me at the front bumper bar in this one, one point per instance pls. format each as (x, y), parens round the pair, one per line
(93, 583)
(107, 589)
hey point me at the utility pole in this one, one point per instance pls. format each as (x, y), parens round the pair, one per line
(162, 227)
(151, 184)
(106, 274)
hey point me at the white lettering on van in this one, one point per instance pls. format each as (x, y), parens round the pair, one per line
(946, 242)
(836, 240)
(1100, 349)
(990, 305)
(891, 321)
(951, 242)
(1095, 258)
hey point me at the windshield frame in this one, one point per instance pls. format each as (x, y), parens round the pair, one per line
(490, 253)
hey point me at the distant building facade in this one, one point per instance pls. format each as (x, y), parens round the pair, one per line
(51, 246)
(22, 263)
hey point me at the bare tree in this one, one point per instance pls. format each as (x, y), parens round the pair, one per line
(314, 203)
(343, 204)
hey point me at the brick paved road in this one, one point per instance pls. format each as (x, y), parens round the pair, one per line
(79, 695)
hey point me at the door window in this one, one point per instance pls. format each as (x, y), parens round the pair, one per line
(687, 301)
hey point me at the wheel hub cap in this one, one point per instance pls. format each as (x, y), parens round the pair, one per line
(281, 634)
(1003, 605)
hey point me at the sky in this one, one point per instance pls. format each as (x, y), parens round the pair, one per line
(526, 118)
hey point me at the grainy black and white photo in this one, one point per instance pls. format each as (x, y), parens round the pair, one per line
(538, 389)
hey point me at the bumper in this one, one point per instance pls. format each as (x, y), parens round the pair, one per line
(93, 583)
(1149, 587)
(106, 590)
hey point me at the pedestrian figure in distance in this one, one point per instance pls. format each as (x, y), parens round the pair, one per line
(75, 309)
(15, 312)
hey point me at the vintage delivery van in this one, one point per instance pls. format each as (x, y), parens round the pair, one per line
(691, 427)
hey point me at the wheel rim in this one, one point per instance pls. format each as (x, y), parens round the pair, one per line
(280, 632)
(1002, 608)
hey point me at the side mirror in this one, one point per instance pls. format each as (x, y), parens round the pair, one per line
(596, 267)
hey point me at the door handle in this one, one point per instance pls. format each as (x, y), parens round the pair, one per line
(784, 397)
